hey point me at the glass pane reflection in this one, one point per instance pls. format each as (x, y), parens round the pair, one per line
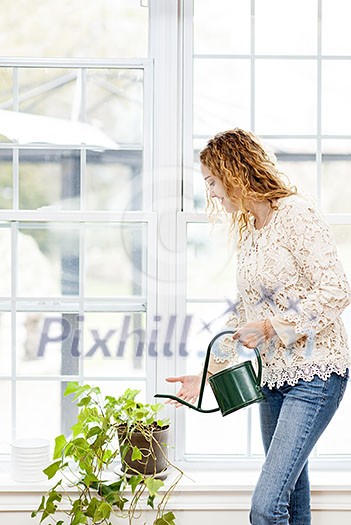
(116, 260)
(51, 252)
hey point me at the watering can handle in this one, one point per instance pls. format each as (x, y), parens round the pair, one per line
(259, 373)
(207, 360)
(203, 382)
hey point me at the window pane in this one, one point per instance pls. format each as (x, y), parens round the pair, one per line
(48, 92)
(342, 234)
(336, 439)
(336, 87)
(117, 388)
(6, 424)
(6, 93)
(281, 29)
(115, 344)
(221, 95)
(6, 156)
(336, 176)
(91, 29)
(5, 86)
(114, 180)
(231, 32)
(336, 27)
(51, 252)
(287, 102)
(5, 261)
(205, 319)
(296, 158)
(39, 409)
(199, 189)
(49, 178)
(210, 262)
(5, 344)
(256, 439)
(116, 260)
(115, 103)
(202, 432)
(48, 343)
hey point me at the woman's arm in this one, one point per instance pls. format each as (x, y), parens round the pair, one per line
(327, 292)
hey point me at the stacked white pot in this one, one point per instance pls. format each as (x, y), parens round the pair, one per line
(28, 459)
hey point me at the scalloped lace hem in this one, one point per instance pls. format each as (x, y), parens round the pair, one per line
(292, 376)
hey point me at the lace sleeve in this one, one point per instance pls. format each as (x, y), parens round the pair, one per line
(326, 290)
(224, 353)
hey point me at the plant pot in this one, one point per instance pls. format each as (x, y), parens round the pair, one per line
(153, 447)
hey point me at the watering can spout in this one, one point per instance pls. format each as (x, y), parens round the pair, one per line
(183, 402)
(233, 388)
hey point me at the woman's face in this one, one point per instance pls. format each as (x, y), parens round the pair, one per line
(217, 190)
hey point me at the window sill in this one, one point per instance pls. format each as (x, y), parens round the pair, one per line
(199, 490)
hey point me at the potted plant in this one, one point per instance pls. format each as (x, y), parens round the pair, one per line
(105, 431)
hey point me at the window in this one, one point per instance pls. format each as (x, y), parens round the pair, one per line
(77, 233)
(265, 67)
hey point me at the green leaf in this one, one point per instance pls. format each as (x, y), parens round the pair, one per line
(60, 443)
(79, 518)
(71, 388)
(115, 486)
(166, 519)
(77, 429)
(133, 481)
(103, 512)
(93, 431)
(90, 479)
(153, 485)
(131, 394)
(163, 422)
(115, 499)
(150, 501)
(157, 407)
(51, 470)
(91, 509)
(41, 507)
(84, 401)
(136, 454)
(123, 449)
(50, 507)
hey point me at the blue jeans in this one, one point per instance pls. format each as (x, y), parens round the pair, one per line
(292, 420)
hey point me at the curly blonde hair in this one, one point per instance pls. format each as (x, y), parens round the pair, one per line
(239, 161)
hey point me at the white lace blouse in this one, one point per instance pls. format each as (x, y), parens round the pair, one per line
(289, 272)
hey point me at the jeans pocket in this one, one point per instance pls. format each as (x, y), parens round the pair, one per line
(343, 386)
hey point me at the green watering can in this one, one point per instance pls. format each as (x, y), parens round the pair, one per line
(235, 387)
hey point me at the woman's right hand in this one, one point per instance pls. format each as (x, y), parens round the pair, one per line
(189, 390)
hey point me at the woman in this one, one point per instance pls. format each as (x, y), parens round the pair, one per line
(292, 290)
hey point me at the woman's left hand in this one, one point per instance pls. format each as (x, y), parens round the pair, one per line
(253, 334)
